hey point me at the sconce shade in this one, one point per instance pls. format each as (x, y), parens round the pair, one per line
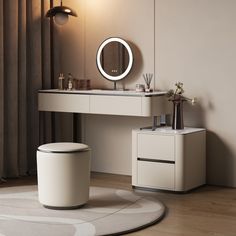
(60, 9)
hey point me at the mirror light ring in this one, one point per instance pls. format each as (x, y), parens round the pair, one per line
(123, 42)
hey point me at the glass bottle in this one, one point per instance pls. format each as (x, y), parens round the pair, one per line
(61, 82)
(70, 81)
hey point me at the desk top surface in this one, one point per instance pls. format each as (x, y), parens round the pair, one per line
(105, 92)
(170, 131)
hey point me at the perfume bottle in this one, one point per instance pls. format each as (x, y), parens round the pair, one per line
(61, 82)
(70, 81)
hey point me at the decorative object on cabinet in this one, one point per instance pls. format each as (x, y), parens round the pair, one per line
(83, 84)
(140, 88)
(61, 82)
(177, 98)
(114, 59)
(61, 14)
(70, 82)
(148, 80)
(169, 159)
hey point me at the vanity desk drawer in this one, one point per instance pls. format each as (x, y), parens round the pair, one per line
(60, 102)
(106, 102)
(116, 105)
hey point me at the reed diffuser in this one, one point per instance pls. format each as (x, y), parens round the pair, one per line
(148, 80)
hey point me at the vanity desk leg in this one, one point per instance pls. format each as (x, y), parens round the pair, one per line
(115, 86)
(53, 127)
(76, 127)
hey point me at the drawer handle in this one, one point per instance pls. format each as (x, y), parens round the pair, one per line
(156, 160)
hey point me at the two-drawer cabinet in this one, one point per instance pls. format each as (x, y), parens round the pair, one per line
(169, 159)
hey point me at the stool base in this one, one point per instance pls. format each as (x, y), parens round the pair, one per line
(64, 208)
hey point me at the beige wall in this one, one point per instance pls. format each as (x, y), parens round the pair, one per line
(192, 41)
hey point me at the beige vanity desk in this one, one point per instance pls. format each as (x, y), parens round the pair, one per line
(106, 102)
(129, 104)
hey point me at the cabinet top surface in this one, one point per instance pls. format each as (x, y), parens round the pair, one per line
(170, 131)
(105, 92)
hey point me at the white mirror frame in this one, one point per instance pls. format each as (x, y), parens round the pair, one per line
(107, 76)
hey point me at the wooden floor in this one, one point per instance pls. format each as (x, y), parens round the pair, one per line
(207, 211)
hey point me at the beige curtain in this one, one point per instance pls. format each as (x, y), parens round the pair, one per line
(24, 68)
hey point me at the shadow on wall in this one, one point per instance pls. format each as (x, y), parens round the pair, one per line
(220, 161)
(137, 67)
(194, 116)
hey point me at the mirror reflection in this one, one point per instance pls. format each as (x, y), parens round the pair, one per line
(114, 59)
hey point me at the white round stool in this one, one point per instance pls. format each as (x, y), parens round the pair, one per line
(63, 175)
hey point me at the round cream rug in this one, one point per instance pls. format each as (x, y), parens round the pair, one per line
(108, 212)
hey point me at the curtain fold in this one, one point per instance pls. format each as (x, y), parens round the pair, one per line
(1, 91)
(11, 109)
(22, 87)
(24, 69)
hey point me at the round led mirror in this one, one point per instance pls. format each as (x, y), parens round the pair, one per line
(114, 59)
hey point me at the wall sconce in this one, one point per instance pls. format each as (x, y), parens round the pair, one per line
(61, 14)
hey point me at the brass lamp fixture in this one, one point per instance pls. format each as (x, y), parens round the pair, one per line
(61, 14)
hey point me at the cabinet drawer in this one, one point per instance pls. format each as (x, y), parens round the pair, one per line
(158, 147)
(63, 102)
(156, 175)
(116, 105)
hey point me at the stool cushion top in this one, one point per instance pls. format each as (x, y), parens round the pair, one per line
(63, 147)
